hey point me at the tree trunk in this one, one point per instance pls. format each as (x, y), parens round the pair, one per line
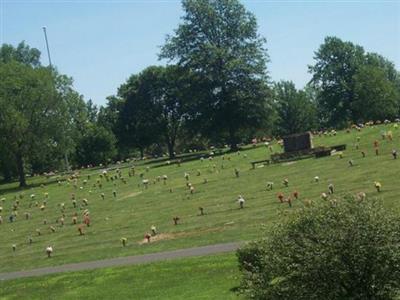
(20, 169)
(67, 168)
(233, 140)
(171, 147)
(141, 152)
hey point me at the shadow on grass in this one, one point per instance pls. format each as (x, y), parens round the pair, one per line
(188, 157)
(237, 291)
(156, 163)
(17, 188)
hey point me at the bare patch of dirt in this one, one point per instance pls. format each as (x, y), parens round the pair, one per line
(172, 236)
(129, 196)
(158, 237)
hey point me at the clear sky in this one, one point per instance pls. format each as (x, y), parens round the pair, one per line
(100, 43)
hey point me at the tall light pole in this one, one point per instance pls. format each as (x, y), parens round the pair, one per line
(47, 44)
(51, 67)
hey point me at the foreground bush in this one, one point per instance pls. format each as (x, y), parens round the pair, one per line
(345, 250)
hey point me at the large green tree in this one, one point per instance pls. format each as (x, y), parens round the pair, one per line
(337, 72)
(42, 114)
(78, 118)
(173, 105)
(333, 74)
(376, 97)
(136, 123)
(31, 113)
(388, 67)
(28, 56)
(155, 108)
(295, 111)
(333, 250)
(96, 146)
(218, 41)
(107, 116)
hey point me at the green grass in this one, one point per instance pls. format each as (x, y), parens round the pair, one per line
(209, 277)
(136, 209)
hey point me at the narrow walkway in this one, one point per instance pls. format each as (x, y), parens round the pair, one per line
(124, 261)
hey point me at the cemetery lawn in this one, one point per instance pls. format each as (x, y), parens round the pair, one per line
(136, 209)
(207, 277)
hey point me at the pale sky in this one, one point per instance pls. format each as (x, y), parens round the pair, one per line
(101, 43)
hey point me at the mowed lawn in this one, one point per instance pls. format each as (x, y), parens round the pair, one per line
(208, 277)
(135, 209)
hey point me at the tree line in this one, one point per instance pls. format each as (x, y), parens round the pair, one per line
(214, 89)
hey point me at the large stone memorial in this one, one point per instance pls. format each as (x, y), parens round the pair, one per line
(298, 142)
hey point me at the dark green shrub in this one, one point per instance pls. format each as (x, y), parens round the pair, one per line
(333, 250)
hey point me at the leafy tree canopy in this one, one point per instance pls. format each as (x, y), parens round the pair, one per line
(156, 106)
(336, 74)
(342, 249)
(32, 112)
(96, 146)
(296, 111)
(22, 53)
(218, 40)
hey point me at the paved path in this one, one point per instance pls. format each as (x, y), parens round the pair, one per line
(124, 261)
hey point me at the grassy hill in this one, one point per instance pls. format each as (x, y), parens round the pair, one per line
(135, 209)
(208, 277)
